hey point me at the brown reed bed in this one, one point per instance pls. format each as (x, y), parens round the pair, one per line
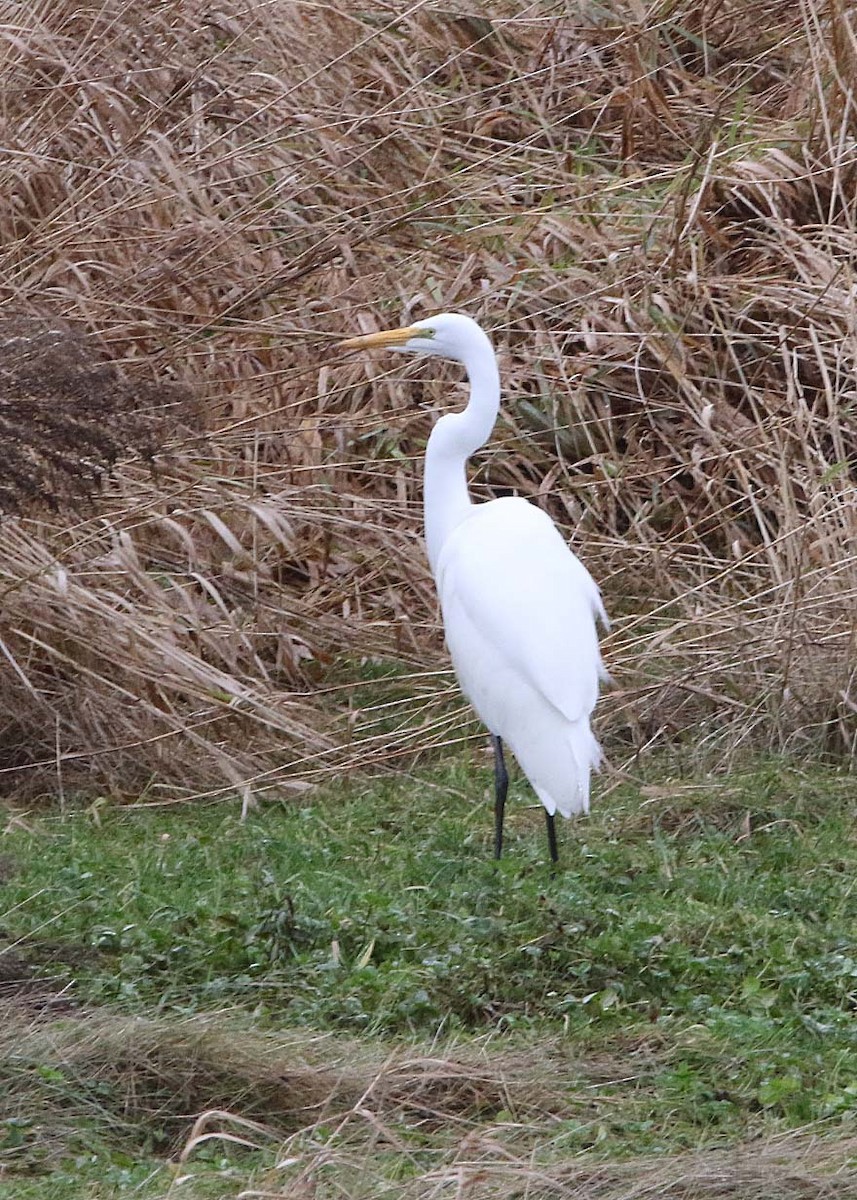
(652, 211)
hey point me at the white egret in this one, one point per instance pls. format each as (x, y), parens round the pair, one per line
(519, 609)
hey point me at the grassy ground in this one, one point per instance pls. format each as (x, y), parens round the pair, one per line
(685, 982)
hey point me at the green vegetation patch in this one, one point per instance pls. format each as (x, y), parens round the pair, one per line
(702, 935)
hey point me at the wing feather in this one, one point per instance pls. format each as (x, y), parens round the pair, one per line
(509, 570)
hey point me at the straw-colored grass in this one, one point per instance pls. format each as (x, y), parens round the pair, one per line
(650, 207)
(340, 1118)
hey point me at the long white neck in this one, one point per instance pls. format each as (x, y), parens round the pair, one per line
(454, 438)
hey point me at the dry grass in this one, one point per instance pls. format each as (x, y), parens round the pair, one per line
(795, 1168)
(157, 1076)
(67, 415)
(476, 1121)
(651, 208)
(801, 1167)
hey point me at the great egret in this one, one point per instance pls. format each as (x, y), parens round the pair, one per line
(519, 609)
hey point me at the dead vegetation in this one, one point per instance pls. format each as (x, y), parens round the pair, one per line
(67, 415)
(158, 1075)
(653, 211)
(476, 1119)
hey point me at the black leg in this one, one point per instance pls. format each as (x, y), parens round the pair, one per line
(551, 823)
(501, 787)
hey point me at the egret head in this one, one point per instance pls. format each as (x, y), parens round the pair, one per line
(448, 335)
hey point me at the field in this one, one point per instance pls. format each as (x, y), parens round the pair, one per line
(356, 992)
(251, 939)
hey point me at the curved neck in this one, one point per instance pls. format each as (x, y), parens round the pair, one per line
(454, 438)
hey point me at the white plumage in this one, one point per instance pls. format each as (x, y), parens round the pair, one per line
(519, 609)
(523, 642)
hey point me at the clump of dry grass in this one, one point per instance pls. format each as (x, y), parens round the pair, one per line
(67, 415)
(652, 211)
(801, 1167)
(482, 1120)
(160, 1075)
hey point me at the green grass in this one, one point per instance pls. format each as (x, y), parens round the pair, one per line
(700, 933)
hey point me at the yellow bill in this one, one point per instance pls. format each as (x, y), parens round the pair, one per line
(387, 337)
